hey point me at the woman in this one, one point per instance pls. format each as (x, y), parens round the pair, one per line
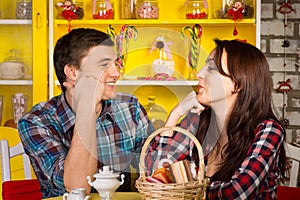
(241, 137)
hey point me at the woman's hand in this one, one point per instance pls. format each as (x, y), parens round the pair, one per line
(188, 104)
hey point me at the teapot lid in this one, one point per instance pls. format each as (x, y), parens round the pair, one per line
(106, 173)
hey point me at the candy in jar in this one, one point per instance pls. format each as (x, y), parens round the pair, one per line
(103, 9)
(70, 9)
(147, 10)
(240, 8)
(196, 10)
(23, 9)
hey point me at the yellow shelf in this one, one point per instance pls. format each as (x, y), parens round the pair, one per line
(15, 21)
(152, 83)
(206, 22)
(15, 82)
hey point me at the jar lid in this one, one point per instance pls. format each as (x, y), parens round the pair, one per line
(106, 173)
(13, 56)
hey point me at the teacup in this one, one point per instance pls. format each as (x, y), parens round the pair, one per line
(76, 194)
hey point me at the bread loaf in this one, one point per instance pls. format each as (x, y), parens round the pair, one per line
(163, 175)
(181, 171)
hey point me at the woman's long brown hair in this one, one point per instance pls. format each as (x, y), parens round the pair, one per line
(249, 70)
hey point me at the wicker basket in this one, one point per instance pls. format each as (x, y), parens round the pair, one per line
(174, 191)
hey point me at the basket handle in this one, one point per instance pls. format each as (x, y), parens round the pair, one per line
(200, 176)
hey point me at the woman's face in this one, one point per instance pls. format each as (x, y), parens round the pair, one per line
(214, 88)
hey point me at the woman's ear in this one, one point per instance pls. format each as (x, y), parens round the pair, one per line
(237, 89)
(71, 72)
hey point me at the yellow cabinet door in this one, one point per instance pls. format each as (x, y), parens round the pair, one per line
(23, 35)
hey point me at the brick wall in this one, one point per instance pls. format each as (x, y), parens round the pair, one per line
(273, 33)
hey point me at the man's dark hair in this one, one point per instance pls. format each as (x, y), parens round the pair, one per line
(72, 47)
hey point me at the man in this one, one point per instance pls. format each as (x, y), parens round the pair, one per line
(89, 125)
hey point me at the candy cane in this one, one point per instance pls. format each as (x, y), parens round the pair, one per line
(111, 32)
(195, 33)
(126, 32)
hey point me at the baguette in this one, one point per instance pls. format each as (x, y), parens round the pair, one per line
(187, 166)
(179, 172)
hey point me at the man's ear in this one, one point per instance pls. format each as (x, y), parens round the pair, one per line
(71, 72)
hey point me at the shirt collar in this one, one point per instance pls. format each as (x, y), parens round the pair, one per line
(107, 111)
(65, 113)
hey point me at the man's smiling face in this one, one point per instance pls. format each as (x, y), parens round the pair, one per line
(100, 63)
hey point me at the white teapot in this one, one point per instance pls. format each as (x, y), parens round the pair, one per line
(106, 182)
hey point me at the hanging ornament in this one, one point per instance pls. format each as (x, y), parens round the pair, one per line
(286, 7)
(285, 122)
(284, 86)
(236, 13)
(286, 43)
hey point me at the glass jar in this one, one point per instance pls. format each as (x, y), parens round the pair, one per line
(103, 10)
(23, 9)
(245, 7)
(70, 9)
(12, 67)
(248, 9)
(147, 9)
(163, 62)
(128, 9)
(196, 10)
(156, 113)
(19, 106)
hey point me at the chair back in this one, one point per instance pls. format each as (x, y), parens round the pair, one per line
(15, 164)
(8, 153)
(293, 153)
